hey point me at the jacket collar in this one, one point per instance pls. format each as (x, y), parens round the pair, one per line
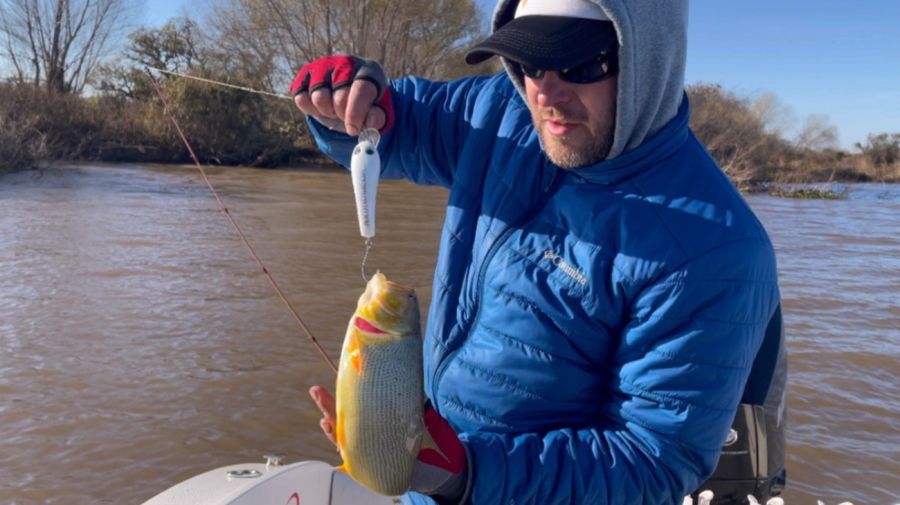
(656, 148)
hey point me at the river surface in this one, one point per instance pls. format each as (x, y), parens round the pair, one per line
(140, 344)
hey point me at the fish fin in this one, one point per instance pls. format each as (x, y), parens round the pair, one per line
(345, 465)
(354, 353)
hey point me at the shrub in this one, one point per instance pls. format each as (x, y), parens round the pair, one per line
(223, 127)
(734, 133)
(23, 143)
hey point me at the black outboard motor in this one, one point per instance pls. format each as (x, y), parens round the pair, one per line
(752, 459)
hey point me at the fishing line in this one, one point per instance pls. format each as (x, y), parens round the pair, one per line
(330, 123)
(168, 112)
(370, 241)
(220, 83)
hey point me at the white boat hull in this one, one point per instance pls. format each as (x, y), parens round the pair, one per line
(304, 483)
(307, 482)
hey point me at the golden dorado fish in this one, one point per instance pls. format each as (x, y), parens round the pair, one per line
(380, 395)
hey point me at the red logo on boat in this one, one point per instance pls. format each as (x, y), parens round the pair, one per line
(294, 499)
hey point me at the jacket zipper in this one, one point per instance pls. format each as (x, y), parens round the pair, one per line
(480, 289)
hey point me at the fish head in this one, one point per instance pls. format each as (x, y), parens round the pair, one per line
(387, 311)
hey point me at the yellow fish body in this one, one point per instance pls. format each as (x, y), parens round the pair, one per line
(379, 389)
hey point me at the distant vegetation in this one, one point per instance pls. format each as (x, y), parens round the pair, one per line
(45, 113)
(746, 136)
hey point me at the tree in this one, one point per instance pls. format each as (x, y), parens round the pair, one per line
(417, 37)
(175, 47)
(224, 125)
(733, 131)
(816, 134)
(882, 149)
(57, 43)
(775, 116)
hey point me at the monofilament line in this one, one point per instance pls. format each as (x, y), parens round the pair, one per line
(369, 243)
(330, 123)
(220, 83)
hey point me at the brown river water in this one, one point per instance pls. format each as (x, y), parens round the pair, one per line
(140, 344)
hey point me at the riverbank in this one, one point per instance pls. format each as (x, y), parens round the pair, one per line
(231, 128)
(804, 185)
(225, 127)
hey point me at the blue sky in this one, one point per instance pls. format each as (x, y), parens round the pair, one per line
(826, 57)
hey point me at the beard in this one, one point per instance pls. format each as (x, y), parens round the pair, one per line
(587, 145)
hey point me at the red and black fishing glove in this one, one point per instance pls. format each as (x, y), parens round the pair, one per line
(441, 469)
(339, 71)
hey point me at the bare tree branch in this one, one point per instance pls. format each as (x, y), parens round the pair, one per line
(407, 36)
(64, 40)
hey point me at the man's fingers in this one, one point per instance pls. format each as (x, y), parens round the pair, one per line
(350, 105)
(328, 429)
(359, 102)
(303, 102)
(322, 101)
(324, 400)
(340, 98)
(353, 106)
(340, 92)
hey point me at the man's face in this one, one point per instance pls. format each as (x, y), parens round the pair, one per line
(576, 122)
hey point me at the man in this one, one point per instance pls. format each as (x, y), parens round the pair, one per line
(601, 289)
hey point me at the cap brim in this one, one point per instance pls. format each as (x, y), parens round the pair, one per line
(546, 42)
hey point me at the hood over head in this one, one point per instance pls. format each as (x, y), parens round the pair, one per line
(652, 47)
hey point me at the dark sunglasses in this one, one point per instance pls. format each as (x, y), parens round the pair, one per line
(600, 67)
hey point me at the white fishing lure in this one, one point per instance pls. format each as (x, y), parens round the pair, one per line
(365, 169)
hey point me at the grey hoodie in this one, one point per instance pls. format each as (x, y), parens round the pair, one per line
(652, 50)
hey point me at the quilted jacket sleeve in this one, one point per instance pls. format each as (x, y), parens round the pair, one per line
(434, 122)
(678, 375)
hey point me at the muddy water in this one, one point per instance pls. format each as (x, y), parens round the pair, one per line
(839, 265)
(139, 344)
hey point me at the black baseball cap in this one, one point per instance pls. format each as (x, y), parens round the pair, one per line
(548, 42)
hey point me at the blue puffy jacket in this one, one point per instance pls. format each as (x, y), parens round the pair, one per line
(591, 330)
